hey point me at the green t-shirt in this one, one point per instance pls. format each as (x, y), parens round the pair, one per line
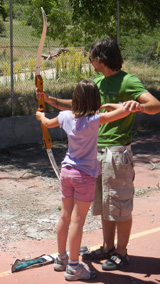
(114, 89)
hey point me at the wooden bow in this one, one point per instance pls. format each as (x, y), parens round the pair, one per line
(41, 104)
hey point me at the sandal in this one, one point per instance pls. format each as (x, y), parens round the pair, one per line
(116, 262)
(100, 253)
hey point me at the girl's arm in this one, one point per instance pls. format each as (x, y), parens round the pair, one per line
(49, 123)
(61, 104)
(116, 114)
(111, 106)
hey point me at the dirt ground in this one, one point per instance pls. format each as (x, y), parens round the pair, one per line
(30, 202)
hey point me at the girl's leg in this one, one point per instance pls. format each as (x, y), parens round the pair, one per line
(63, 224)
(78, 217)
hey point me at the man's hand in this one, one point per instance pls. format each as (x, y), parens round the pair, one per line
(39, 95)
(133, 106)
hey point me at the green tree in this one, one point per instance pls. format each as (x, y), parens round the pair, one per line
(140, 16)
(58, 17)
(98, 18)
(3, 10)
(80, 22)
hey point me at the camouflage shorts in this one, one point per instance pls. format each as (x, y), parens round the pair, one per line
(114, 188)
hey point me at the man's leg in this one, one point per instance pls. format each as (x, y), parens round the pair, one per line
(123, 234)
(109, 228)
(119, 258)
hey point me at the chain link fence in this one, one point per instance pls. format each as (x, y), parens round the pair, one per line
(18, 54)
(61, 68)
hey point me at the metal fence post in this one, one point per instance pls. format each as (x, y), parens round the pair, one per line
(118, 23)
(11, 58)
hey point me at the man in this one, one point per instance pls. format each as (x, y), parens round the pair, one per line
(114, 188)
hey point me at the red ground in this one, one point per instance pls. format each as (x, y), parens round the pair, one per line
(143, 247)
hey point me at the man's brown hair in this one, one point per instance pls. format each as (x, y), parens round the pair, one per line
(107, 51)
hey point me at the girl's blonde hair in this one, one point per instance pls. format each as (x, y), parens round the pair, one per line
(86, 98)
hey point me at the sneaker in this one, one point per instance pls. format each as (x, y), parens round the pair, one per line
(59, 264)
(97, 254)
(81, 273)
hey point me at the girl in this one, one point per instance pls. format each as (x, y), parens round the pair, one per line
(79, 171)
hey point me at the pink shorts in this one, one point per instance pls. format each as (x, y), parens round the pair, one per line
(77, 184)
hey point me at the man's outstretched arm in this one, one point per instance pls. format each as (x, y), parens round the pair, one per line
(61, 104)
(145, 103)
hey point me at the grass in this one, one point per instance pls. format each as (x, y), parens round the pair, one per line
(24, 42)
(140, 192)
(24, 97)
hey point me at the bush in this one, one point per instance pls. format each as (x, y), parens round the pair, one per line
(2, 28)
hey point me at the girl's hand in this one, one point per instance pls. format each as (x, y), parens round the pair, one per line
(133, 106)
(40, 115)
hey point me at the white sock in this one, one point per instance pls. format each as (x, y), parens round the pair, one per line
(73, 263)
